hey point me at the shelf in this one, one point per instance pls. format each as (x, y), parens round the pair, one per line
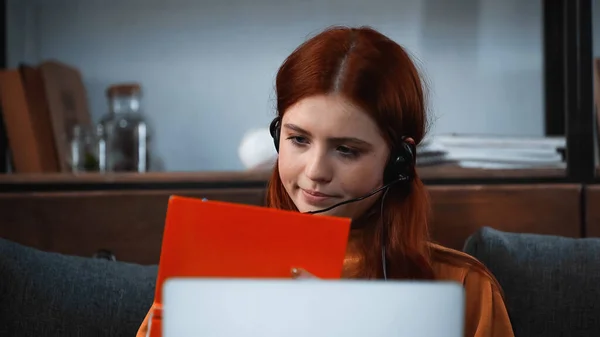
(236, 179)
(567, 38)
(456, 172)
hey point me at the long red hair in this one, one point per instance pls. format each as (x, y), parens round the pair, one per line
(378, 75)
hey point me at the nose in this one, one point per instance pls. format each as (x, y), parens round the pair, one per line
(318, 168)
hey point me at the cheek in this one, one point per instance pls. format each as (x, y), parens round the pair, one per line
(359, 187)
(362, 178)
(288, 165)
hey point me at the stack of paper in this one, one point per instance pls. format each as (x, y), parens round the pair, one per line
(493, 152)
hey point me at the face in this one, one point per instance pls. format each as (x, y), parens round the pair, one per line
(330, 151)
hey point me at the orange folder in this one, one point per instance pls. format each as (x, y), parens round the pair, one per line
(219, 239)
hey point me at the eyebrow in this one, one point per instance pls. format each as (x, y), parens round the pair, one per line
(354, 140)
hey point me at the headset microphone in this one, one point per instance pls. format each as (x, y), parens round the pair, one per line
(359, 198)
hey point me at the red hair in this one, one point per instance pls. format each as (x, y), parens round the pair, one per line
(376, 74)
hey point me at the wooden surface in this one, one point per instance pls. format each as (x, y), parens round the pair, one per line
(130, 223)
(458, 211)
(592, 211)
(427, 172)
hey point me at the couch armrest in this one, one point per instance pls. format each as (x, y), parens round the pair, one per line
(551, 283)
(49, 294)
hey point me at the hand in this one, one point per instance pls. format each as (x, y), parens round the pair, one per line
(299, 273)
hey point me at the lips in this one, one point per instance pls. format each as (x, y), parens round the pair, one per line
(316, 198)
(317, 194)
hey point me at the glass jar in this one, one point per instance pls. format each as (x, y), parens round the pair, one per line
(84, 149)
(125, 132)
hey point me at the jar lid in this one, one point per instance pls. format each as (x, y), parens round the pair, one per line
(123, 89)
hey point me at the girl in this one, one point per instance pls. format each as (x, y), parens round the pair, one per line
(351, 110)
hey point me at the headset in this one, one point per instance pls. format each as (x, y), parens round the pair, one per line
(399, 169)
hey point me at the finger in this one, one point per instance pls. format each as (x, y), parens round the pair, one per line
(299, 273)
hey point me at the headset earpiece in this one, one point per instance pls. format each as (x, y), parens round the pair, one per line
(275, 130)
(401, 162)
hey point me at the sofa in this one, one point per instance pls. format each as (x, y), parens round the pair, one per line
(49, 294)
(551, 286)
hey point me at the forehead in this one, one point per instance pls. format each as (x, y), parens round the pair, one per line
(332, 115)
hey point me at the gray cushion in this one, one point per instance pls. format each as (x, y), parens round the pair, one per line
(49, 294)
(552, 284)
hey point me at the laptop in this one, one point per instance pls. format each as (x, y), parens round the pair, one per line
(211, 307)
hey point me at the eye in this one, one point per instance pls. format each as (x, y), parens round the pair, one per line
(298, 140)
(348, 152)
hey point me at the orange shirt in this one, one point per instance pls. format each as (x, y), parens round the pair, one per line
(486, 314)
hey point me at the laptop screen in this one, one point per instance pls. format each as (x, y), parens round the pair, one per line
(293, 308)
